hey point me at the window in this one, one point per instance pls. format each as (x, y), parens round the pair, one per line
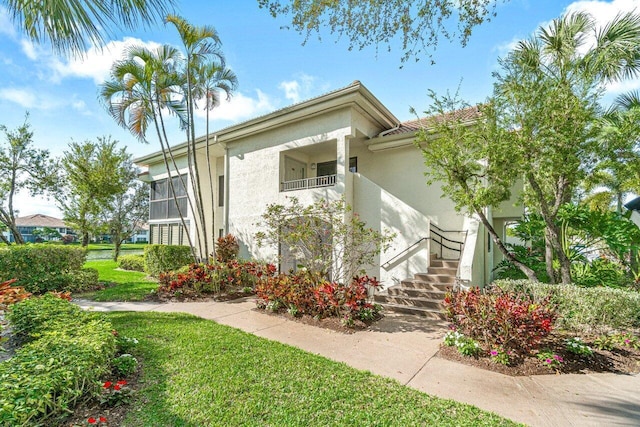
(221, 190)
(162, 204)
(329, 168)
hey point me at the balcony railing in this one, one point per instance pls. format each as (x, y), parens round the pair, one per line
(302, 184)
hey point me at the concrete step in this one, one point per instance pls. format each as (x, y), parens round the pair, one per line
(416, 292)
(427, 286)
(446, 263)
(442, 271)
(435, 278)
(418, 311)
(435, 304)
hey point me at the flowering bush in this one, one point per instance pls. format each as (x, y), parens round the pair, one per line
(97, 421)
(500, 355)
(577, 346)
(550, 359)
(465, 345)
(508, 320)
(609, 342)
(305, 293)
(115, 394)
(213, 278)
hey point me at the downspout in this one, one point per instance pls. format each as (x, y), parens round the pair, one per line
(226, 185)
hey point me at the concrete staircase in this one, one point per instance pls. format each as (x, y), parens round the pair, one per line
(423, 294)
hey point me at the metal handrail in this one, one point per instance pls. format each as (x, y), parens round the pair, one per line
(388, 263)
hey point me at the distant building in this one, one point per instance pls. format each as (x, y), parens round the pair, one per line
(27, 225)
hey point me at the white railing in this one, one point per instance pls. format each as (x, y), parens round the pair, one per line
(301, 184)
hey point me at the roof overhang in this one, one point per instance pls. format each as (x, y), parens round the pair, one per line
(355, 96)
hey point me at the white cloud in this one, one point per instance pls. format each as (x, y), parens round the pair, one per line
(240, 107)
(30, 50)
(302, 87)
(96, 62)
(603, 11)
(22, 97)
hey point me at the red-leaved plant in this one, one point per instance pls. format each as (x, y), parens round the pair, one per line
(512, 321)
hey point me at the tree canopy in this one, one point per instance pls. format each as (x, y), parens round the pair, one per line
(420, 24)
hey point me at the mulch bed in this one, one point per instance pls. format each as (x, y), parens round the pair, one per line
(619, 361)
(169, 297)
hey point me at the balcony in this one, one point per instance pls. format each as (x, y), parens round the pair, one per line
(305, 183)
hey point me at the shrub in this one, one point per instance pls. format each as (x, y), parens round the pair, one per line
(227, 248)
(584, 309)
(124, 365)
(197, 279)
(512, 321)
(162, 258)
(305, 293)
(575, 345)
(600, 272)
(131, 262)
(69, 349)
(40, 268)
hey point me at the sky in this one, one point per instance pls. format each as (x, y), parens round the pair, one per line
(273, 67)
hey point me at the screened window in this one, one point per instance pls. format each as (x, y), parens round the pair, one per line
(162, 205)
(220, 190)
(329, 168)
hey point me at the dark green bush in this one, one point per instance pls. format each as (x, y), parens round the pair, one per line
(599, 272)
(162, 258)
(584, 309)
(69, 350)
(41, 268)
(131, 262)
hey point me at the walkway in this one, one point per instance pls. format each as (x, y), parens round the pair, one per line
(403, 348)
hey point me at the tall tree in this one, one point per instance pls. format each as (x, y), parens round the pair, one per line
(71, 26)
(205, 76)
(465, 151)
(126, 213)
(548, 90)
(93, 173)
(419, 24)
(144, 87)
(22, 167)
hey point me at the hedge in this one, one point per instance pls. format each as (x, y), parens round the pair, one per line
(41, 268)
(67, 352)
(162, 258)
(131, 262)
(584, 309)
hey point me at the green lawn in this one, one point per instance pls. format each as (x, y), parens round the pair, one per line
(199, 373)
(109, 246)
(128, 285)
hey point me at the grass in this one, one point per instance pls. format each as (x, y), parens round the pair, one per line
(109, 246)
(199, 373)
(128, 285)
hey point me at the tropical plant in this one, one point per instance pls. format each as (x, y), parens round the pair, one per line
(549, 88)
(73, 25)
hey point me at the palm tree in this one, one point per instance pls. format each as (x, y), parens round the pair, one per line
(142, 87)
(72, 25)
(205, 75)
(552, 84)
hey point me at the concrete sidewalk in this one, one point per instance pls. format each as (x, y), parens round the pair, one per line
(403, 347)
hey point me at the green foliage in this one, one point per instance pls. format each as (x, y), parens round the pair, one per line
(162, 258)
(465, 345)
(131, 262)
(41, 268)
(124, 365)
(419, 25)
(325, 238)
(550, 359)
(22, 168)
(584, 309)
(575, 345)
(600, 272)
(68, 350)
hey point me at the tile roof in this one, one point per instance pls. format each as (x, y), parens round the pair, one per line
(40, 220)
(412, 126)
